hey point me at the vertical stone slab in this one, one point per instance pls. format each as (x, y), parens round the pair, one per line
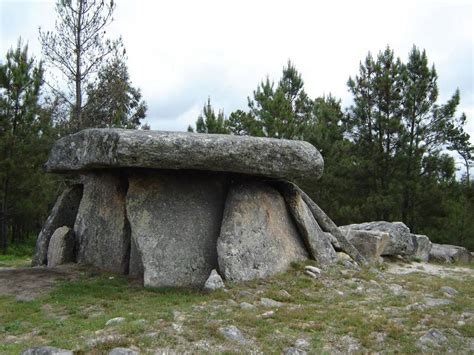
(63, 214)
(102, 234)
(258, 237)
(61, 247)
(175, 219)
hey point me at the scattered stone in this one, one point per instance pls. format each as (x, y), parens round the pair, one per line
(423, 247)
(106, 339)
(313, 269)
(294, 351)
(214, 282)
(177, 327)
(448, 291)
(268, 302)
(396, 289)
(302, 344)
(233, 333)
(433, 338)
(123, 351)
(175, 218)
(258, 237)
(115, 321)
(247, 306)
(312, 274)
(245, 293)
(400, 242)
(268, 314)
(371, 244)
(63, 213)
(436, 302)
(449, 254)
(284, 294)
(61, 247)
(46, 350)
(231, 302)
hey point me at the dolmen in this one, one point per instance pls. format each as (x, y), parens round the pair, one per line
(169, 208)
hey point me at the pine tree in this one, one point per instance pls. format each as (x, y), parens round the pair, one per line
(209, 122)
(25, 137)
(113, 101)
(78, 47)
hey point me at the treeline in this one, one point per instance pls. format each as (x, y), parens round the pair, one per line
(386, 156)
(83, 82)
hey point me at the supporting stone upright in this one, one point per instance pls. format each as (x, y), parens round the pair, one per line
(175, 219)
(102, 233)
(258, 237)
(63, 214)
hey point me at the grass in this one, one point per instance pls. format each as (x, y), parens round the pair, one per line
(330, 313)
(19, 255)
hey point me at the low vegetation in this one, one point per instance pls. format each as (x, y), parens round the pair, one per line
(343, 310)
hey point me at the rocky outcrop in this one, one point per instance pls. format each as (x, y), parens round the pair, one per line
(175, 219)
(258, 237)
(63, 214)
(371, 244)
(296, 161)
(400, 242)
(423, 247)
(446, 253)
(61, 247)
(102, 232)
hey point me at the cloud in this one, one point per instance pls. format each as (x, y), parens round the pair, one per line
(180, 52)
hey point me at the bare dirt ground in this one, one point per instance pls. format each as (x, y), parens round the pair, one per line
(453, 271)
(26, 284)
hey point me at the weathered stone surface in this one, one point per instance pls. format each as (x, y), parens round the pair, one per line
(61, 247)
(46, 350)
(449, 253)
(102, 233)
(175, 219)
(234, 334)
(123, 351)
(136, 263)
(63, 214)
(318, 242)
(371, 244)
(214, 282)
(401, 240)
(423, 247)
(258, 237)
(296, 161)
(433, 338)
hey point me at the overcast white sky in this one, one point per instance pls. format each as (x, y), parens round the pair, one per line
(181, 52)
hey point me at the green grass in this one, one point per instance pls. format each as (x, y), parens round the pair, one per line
(19, 255)
(75, 312)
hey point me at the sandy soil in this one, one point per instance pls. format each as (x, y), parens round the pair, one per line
(431, 269)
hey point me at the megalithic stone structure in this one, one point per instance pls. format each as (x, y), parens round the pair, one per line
(170, 207)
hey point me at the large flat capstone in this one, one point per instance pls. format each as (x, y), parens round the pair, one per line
(89, 149)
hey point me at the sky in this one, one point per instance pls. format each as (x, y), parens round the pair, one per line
(182, 52)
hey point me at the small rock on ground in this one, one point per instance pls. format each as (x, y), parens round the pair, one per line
(313, 269)
(294, 351)
(436, 302)
(46, 350)
(214, 282)
(123, 351)
(433, 338)
(448, 291)
(114, 321)
(302, 344)
(268, 302)
(247, 306)
(233, 333)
